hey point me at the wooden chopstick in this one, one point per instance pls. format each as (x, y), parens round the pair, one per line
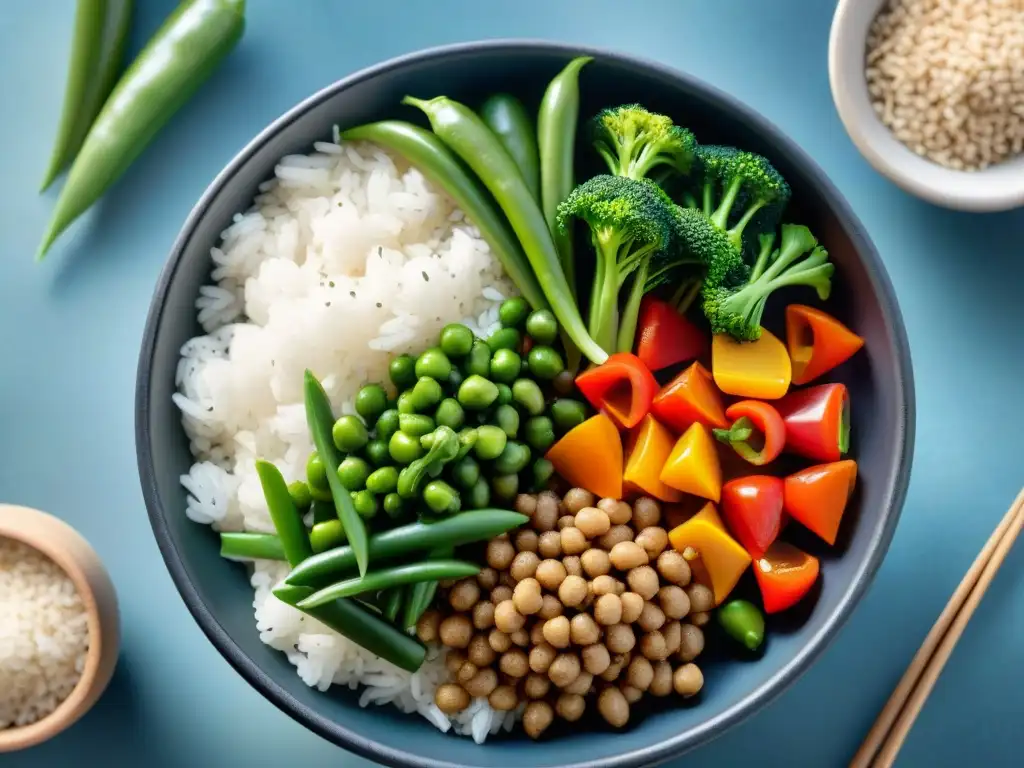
(890, 730)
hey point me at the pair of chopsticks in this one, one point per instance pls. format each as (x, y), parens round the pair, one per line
(890, 730)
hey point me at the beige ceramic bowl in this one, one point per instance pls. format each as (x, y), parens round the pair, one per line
(66, 547)
(994, 189)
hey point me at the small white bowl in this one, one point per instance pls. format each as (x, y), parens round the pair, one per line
(996, 188)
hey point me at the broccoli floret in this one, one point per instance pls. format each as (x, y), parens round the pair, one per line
(629, 222)
(634, 142)
(799, 260)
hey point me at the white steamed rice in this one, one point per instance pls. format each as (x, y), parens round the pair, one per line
(347, 258)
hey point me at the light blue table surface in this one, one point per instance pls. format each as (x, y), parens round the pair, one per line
(70, 329)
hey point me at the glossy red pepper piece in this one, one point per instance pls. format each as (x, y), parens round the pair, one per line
(691, 396)
(817, 342)
(665, 337)
(752, 509)
(785, 575)
(757, 433)
(817, 421)
(621, 387)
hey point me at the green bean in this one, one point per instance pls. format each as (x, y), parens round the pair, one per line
(402, 370)
(406, 402)
(505, 366)
(472, 140)
(544, 363)
(382, 481)
(371, 402)
(542, 326)
(393, 505)
(479, 361)
(465, 472)
(508, 119)
(567, 413)
(743, 622)
(504, 338)
(353, 472)
(513, 458)
(441, 497)
(477, 393)
(526, 393)
(541, 471)
(504, 394)
(393, 599)
(450, 414)
(556, 140)
(350, 620)
(251, 546)
(179, 58)
(479, 496)
(321, 420)
(464, 528)
(404, 449)
(507, 419)
(326, 535)
(434, 364)
(421, 594)
(490, 442)
(539, 433)
(302, 497)
(365, 504)
(456, 340)
(386, 578)
(426, 393)
(416, 424)
(284, 514)
(387, 424)
(349, 434)
(377, 452)
(505, 486)
(513, 312)
(316, 478)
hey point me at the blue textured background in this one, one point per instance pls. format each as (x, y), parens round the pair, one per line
(70, 329)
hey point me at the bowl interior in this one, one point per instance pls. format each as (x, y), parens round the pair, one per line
(218, 592)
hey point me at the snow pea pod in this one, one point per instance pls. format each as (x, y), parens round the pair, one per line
(506, 116)
(431, 157)
(390, 578)
(283, 512)
(251, 546)
(181, 56)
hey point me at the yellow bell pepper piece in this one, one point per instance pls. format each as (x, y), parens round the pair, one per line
(759, 369)
(651, 445)
(693, 466)
(723, 558)
(590, 456)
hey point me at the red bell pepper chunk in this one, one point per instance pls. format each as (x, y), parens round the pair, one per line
(666, 337)
(817, 496)
(785, 575)
(752, 508)
(691, 396)
(817, 342)
(758, 433)
(621, 387)
(817, 421)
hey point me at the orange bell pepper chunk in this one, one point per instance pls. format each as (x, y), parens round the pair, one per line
(817, 342)
(590, 456)
(650, 446)
(693, 465)
(817, 496)
(757, 369)
(722, 557)
(690, 397)
(785, 574)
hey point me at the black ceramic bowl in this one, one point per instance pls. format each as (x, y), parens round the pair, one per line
(217, 592)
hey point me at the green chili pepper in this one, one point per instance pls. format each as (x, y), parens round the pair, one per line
(283, 512)
(443, 449)
(421, 594)
(321, 421)
(463, 528)
(176, 61)
(743, 622)
(373, 633)
(251, 546)
(97, 55)
(508, 119)
(467, 135)
(436, 161)
(386, 578)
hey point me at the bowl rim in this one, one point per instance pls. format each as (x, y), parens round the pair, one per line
(896, 482)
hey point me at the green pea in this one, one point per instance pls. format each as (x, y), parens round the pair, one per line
(505, 487)
(402, 370)
(507, 418)
(504, 395)
(513, 312)
(387, 424)
(416, 424)
(365, 504)
(377, 452)
(323, 510)
(490, 442)
(451, 386)
(382, 481)
(467, 439)
(427, 440)
(465, 472)
(450, 414)
(441, 497)
(743, 622)
(541, 471)
(513, 459)
(542, 326)
(426, 394)
(505, 366)
(406, 403)
(563, 383)
(353, 472)
(403, 448)
(302, 497)
(526, 393)
(393, 505)
(326, 535)
(456, 340)
(544, 363)
(504, 338)
(349, 434)
(479, 496)
(539, 433)
(479, 361)
(316, 477)
(371, 402)
(567, 413)
(434, 364)
(477, 393)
